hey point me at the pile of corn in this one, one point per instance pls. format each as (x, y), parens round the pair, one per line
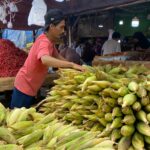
(112, 100)
(26, 129)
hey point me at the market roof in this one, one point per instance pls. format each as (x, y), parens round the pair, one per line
(75, 7)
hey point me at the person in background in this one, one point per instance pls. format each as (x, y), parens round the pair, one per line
(79, 49)
(70, 55)
(112, 45)
(42, 55)
(88, 54)
(140, 41)
(98, 47)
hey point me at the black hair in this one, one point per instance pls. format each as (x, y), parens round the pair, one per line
(142, 40)
(53, 16)
(116, 35)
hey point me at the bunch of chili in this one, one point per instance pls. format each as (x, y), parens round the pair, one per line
(11, 58)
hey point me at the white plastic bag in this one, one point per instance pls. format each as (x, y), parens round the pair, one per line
(37, 13)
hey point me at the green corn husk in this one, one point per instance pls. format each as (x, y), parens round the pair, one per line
(127, 130)
(117, 123)
(115, 70)
(108, 117)
(122, 91)
(114, 94)
(89, 79)
(108, 67)
(79, 78)
(129, 119)
(147, 108)
(94, 88)
(10, 147)
(115, 135)
(106, 132)
(102, 84)
(7, 136)
(143, 128)
(141, 92)
(120, 101)
(116, 85)
(102, 121)
(31, 138)
(127, 111)
(136, 106)
(145, 101)
(131, 148)
(124, 143)
(147, 139)
(141, 115)
(138, 141)
(133, 86)
(110, 101)
(116, 112)
(148, 117)
(106, 92)
(106, 108)
(147, 85)
(129, 99)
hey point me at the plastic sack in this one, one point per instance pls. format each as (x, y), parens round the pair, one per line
(37, 13)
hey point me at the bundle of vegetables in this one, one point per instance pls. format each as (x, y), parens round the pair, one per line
(26, 129)
(112, 100)
(11, 58)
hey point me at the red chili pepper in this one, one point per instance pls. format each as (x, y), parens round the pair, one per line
(11, 58)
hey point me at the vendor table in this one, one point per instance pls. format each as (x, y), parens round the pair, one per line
(7, 84)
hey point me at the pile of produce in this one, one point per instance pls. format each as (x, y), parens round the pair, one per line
(112, 100)
(26, 129)
(11, 58)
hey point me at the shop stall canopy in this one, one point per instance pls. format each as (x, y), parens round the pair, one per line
(70, 7)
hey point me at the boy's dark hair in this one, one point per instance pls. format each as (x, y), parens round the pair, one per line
(116, 35)
(53, 16)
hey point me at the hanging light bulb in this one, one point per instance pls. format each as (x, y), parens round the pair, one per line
(100, 26)
(121, 22)
(135, 22)
(59, 0)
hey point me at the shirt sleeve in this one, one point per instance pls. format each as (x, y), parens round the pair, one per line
(44, 48)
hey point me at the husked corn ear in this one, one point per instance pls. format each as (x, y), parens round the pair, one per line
(6, 135)
(31, 138)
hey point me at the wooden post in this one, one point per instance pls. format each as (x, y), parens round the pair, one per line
(69, 34)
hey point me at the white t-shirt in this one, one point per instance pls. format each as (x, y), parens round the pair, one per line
(111, 46)
(79, 50)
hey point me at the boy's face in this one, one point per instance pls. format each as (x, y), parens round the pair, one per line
(57, 30)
